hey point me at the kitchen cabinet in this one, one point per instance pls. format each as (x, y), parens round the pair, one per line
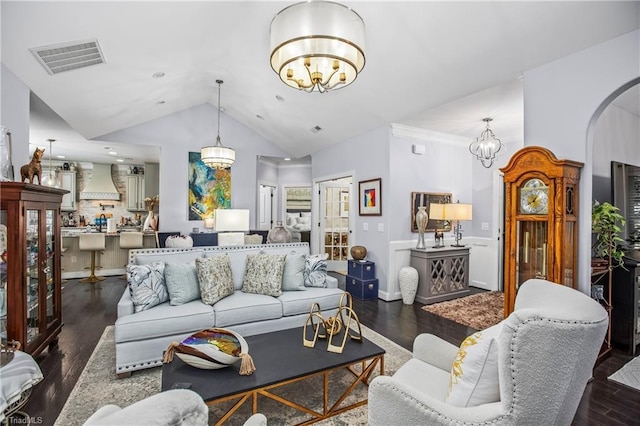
(30, 273)
(136, 193)
(443, 273)
(67, 180)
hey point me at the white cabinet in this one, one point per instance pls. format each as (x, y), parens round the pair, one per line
(67, 180)
(135, 193)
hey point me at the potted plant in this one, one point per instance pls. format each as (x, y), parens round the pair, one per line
(606, 224)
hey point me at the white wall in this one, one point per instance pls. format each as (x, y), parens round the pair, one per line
(190, 130)
(367, 157)
(563, 100)
(14, 114)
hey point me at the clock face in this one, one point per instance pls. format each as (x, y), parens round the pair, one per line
(534, 197)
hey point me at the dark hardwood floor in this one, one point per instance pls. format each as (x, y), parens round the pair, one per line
(86, 313)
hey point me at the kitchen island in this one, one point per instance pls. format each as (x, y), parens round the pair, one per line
(113, 259)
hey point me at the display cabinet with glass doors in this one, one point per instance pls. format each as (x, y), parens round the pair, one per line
(541, 220)
(30, 247)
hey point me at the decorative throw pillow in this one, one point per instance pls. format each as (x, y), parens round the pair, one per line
(293, 273)
(146, 285)
(182, 282)
(474, 373)
(263, 274)
(215, 278)
(315, 270)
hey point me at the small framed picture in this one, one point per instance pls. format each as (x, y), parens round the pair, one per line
(370, 197)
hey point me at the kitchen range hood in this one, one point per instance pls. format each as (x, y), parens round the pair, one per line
(101, 186)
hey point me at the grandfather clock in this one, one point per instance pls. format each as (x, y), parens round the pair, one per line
(541, 220)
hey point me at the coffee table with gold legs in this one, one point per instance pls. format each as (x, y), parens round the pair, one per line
(280, 359)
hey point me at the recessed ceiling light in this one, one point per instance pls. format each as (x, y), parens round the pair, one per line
(287, 159)
(159, 74)
(62, 157)
(280, 98)
(113, 153)
(259, 117)
(120, 160)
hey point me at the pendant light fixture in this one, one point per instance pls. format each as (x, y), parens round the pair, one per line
(218, 156)
(317, 45)
(51, 179)
(486, 146)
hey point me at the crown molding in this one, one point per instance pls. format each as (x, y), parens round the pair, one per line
(405, 131)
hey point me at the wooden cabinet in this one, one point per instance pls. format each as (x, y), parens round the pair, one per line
(67, 180)
(541, 220)
(135, 193)
(443, 273)
(30, 268)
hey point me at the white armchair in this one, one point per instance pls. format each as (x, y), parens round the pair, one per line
(546, 352)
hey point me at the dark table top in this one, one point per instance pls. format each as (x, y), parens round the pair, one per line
(278, 356)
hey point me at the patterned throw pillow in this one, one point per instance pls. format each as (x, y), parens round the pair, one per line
(293, 274)
(474, 373)
(146, 285)
(215, 278)
(263, 274)
(315, 270)
(182, 282)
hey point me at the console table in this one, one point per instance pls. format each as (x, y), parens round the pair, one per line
(443, 273)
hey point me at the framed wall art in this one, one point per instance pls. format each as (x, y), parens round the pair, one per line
(209, 189)
(370, 197)
(425, 199)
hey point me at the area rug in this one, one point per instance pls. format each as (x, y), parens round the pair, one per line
(477, 311)
(629, 374)
(98, 386)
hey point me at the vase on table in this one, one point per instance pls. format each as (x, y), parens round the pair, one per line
(408, 279)
(150, 223)
(279, 234)
(421, 222)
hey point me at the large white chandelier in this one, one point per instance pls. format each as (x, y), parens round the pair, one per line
(317, 45)
(487, 146)
(218, 156)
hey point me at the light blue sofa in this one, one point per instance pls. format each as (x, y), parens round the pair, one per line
(142, 337)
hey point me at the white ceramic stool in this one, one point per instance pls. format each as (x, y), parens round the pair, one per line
(130, 240)
(92, 242)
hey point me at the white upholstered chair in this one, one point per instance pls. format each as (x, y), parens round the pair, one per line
(546, 352)
(177, 407)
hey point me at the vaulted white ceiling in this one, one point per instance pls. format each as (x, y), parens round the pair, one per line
(442, 66)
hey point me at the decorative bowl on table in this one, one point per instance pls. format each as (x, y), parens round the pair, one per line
(211, 349)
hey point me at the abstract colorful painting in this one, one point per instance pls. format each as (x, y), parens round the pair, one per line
(209, 189)
(370, 194)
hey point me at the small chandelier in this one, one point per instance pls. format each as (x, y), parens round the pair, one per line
(218, 156)
(317, 45)
(51, 179)
(487, 146)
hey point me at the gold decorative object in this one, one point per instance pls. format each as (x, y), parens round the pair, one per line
(358, 252)
(34, 168)
(332, 326)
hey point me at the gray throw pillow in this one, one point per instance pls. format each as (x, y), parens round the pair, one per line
(315, 270)
(263, 274)
(182, 282)
(146, 285)
(215, 278)
(293, 274)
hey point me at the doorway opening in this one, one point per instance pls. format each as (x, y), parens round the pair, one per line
(335, 221)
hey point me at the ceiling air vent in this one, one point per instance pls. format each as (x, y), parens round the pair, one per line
(57, 58)
(315, 129)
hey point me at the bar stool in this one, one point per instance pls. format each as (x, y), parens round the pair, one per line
(92, 242)
(130, 240)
